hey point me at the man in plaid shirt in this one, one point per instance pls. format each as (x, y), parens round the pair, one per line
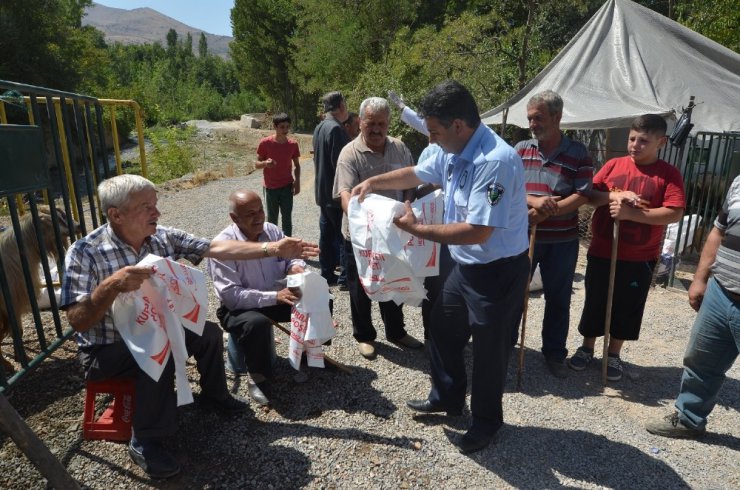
(103, 264)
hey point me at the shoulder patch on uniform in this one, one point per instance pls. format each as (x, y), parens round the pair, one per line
(494, 194)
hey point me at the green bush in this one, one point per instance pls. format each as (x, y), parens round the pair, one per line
(172, 155)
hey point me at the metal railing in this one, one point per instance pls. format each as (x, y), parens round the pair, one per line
(709, 162)
(73, 142)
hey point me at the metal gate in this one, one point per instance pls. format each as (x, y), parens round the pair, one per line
(709, 162)
(52, 152)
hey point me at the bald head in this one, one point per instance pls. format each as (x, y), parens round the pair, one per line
(240, 197)
(246, 211)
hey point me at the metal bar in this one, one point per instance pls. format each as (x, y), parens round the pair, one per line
(73, 175)
(23, 87)
(25, 267)
(36, 361)
(55, 135)
(64, 146)
(87, 178)
(116, 143)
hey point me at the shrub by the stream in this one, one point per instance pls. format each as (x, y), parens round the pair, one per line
(172, 155)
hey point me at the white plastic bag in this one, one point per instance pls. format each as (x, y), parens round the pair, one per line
(536, 283)
(689, 225)
(150, 320)
(310, 320)
(390, 262)
(423, 255)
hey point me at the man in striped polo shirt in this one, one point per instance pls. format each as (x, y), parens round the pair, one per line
(558, 173)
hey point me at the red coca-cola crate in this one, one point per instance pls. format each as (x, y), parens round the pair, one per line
(115, 422)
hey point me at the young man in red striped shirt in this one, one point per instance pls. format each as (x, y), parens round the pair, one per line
(558, 173)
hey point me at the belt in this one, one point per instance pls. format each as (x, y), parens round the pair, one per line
(733, 296)
(501, 261)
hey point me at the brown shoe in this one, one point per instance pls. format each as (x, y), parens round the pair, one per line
(409, 342)
(367, 349)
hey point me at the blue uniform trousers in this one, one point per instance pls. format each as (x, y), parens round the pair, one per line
(484, 301)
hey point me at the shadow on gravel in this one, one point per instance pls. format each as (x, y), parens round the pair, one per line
(572, 459)
(646, 385)
(35, 392)
(408, 358)
(257, 459)
(324, 391)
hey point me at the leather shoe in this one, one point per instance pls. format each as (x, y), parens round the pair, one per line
(151, 457)
(256, 394)
(367, 349)
(409, 342)
(425, 406)
(224, 406)
(473, 441)
(557, 368)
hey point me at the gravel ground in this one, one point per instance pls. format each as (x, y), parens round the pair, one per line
(340, 430)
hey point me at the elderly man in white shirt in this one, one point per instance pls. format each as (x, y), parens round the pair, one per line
(251, 293)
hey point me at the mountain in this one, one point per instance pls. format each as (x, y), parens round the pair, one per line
(145, 25)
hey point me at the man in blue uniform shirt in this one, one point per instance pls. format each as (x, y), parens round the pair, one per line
(485, 226)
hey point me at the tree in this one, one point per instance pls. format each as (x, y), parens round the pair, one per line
(261, 49)
(202, 45)
(42, 43)
(171, 41)
(718, 20)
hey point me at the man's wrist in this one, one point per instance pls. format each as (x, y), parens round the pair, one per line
(266, 249)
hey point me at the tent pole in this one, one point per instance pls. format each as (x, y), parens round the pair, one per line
(503, 121)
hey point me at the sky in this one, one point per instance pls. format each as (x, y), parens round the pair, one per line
(212, 16)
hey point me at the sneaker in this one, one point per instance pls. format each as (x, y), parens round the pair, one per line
(671, 426)
(225, 406)
(367, 349)
(614, 368)
(581, 359)
(151, 457)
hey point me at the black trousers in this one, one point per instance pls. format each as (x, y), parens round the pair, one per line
(252, 330)
(484, 301)
(360, 304)
(433, 285)
(155, 401)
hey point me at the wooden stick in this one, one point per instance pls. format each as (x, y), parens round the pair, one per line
(35, 450)
(532, 234)
(328, 359)
(609, 297)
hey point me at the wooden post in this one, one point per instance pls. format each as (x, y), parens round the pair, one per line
(609, 297)
(35, 450)
(532, 234)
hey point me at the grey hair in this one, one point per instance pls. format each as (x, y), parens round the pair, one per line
(115, 192)
(551, 99)
(375, 104)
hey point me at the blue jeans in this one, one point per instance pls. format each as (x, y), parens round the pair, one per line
(330, 241)
(712, 349)
(557, 265)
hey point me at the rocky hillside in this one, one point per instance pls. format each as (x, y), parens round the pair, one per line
(144, 25)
